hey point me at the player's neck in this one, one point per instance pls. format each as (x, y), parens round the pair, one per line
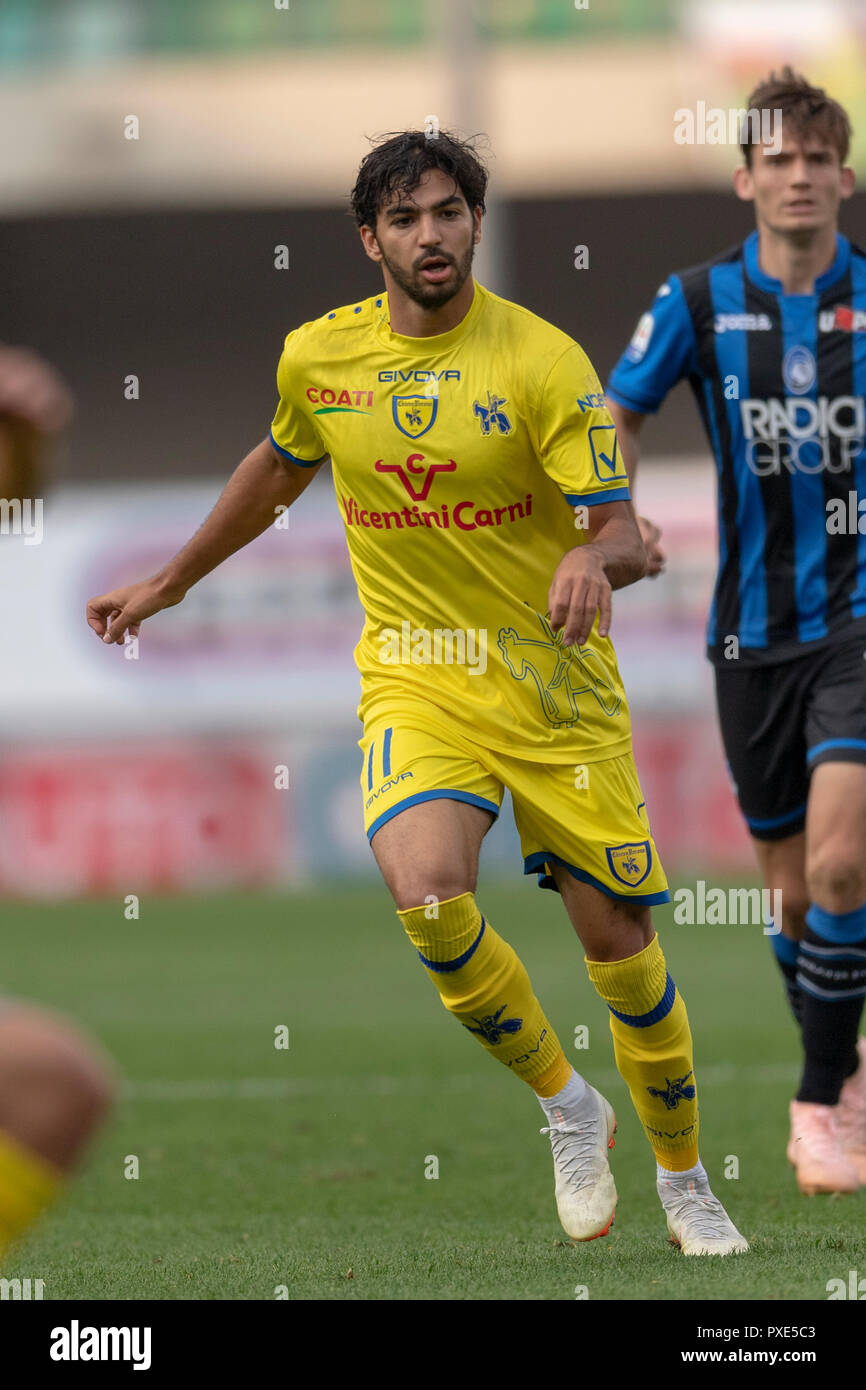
(412, 320)
(797, 265)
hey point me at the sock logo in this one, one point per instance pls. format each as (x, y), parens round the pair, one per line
(492, 1030)
(675, 1091)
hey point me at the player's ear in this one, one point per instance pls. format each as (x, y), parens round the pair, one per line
(370, 244)
(744, 184)
(476, 233)
(847, 181)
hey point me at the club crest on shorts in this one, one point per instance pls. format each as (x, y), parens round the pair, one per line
(414, 414)
(630, 864)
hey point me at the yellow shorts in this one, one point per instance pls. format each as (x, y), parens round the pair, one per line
(591, 817)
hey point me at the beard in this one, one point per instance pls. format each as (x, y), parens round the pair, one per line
(426, 295)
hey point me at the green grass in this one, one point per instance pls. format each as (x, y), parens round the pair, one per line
(316, 1180)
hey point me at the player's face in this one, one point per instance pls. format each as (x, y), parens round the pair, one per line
(425, 240)
(798, 188)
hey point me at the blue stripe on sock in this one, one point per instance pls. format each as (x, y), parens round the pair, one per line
(661, 1010)
(786, 950)
(841, 928)
(442, 967)
(833, 952)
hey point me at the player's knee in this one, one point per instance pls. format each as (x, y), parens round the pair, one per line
(428, 890)
(836, 877)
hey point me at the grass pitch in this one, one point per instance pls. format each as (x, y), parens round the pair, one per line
(263, 1168)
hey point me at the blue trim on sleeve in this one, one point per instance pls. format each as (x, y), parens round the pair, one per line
(835, 743)
(293, 458)
(534, 864)
(450, 794)
(444, 967)
(755, 824)
(640, 382)
(592, 499)
(644, 407)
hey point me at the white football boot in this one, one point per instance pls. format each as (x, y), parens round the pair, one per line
(585, 1191)
(697, 1221)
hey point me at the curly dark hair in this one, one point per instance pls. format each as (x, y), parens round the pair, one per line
(397, 163)
(805, 110)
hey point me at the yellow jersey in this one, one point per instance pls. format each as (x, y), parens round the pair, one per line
(464, 466)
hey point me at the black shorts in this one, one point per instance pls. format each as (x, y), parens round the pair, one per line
(779, 721)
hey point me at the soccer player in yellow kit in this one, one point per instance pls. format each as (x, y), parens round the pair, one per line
(487, 515)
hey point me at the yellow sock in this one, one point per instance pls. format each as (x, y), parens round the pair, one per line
(652, 1044)
(28, 1182)
(484, 985)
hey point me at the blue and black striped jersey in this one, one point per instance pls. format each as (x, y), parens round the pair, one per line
(780, 381)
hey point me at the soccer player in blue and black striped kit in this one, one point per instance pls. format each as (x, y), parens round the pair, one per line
(771, 335)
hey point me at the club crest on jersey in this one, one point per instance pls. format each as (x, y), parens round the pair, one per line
(492, 414)
(630, 863)
(799, 370)
(414, 415)
(674, 1091)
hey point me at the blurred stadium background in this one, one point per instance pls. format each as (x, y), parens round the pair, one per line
(155, 257)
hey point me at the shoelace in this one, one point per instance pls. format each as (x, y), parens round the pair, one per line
(707, 1216)
(573, 1159)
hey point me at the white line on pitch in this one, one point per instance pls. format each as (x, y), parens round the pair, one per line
(282, 1088)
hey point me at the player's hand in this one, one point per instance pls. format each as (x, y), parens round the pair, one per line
(580, 589)
(33, 391)
(123, 610)
(656, 557)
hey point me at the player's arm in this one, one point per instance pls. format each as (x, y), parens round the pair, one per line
(661, 351)
(629, 424)
(585, 577)
(263, 483)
